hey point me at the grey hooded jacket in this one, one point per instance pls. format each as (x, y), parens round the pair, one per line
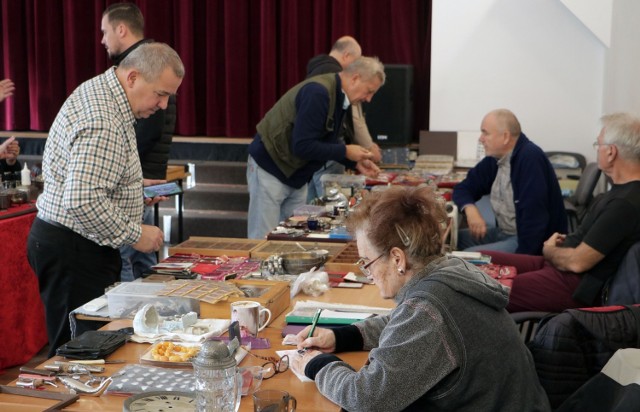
(449, 345)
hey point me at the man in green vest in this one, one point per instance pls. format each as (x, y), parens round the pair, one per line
(299, 135)
(344, 51)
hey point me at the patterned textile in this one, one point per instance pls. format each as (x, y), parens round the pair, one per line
(502, 197)
(21, 311)
(140, 378)
(503, 274)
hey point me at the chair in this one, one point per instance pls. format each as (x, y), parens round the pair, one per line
(573, 346)
(624, 287)
(527, 323)
(577, 204)
(567, 161)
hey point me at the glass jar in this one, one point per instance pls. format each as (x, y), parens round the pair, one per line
(218, 383)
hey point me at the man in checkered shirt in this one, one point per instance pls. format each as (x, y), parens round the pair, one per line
(92, 200)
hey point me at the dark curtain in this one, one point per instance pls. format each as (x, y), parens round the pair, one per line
(240, 55)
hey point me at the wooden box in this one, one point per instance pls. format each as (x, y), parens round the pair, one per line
(272, 247)
(175, 172)
(273, 295)
(216, 246)
(345, 261)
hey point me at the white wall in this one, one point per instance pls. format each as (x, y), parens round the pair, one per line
(622, 69)
(534, 57)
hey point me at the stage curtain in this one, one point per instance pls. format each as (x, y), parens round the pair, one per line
(239, 55)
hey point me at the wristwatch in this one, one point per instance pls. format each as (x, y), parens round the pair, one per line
(160, 401)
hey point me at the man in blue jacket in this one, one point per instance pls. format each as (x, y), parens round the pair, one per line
(523, 187)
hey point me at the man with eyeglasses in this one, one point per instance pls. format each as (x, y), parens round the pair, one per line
(299, 134)
(576, 267)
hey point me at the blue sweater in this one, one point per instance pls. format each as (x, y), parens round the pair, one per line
(309, 137)
(536, 194)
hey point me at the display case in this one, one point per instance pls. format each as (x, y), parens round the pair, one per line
(273, 295)
(216, 246)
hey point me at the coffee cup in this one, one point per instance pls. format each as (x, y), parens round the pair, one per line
(249, 315)
(273, 401)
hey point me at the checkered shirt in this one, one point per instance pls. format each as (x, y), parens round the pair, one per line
(502, 202)
(92, 174)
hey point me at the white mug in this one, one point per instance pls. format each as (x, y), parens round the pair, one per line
(249, 315)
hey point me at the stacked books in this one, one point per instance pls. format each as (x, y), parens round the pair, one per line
(476, 258)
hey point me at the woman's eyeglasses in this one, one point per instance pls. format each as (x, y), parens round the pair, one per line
(364, 267)
(273, 365)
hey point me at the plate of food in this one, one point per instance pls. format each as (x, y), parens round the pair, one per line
(171, 354)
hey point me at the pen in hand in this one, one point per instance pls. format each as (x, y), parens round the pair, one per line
(314, 323)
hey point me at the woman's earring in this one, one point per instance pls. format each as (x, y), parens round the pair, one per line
(400, 270)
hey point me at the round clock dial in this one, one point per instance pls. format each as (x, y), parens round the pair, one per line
(161, 401)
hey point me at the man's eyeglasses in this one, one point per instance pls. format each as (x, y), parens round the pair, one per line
(596, 144)
(273, 365)
(364, 267)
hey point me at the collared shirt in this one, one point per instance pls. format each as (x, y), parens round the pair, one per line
(346, 103)
(502, 197)
(92, 175)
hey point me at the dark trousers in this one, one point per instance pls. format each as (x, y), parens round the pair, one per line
(71, 270)
(538, 286)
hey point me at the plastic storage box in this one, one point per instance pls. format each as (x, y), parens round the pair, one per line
(350, 184)
(127, 298)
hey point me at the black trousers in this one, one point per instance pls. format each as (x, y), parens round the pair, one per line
(71, 270)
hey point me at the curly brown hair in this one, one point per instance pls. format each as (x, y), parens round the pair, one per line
(409, 218)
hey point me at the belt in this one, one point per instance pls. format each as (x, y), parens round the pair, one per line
(53, 223)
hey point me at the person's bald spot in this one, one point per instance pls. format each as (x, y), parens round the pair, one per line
(346, 49)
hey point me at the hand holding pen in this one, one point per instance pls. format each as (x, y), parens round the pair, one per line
(314, 323)
(317, 338)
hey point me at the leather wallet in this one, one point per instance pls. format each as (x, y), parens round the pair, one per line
(93, 344)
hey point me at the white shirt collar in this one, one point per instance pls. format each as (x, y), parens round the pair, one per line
(346, 103)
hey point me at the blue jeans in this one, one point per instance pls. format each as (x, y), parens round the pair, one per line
(316, 188)
(495, 239)
(270, 201)
(134, 263)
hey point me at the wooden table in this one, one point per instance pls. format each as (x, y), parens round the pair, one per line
(308, 397)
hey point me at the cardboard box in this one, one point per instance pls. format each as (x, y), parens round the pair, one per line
(273, 295)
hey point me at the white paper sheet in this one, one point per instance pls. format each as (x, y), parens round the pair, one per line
(292, 355)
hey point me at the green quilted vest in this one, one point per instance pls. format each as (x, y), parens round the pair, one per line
(276, 127)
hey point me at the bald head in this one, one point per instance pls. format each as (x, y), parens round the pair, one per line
(500, 131)
(345, 50)
(506, 121)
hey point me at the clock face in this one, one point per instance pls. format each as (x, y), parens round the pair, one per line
(162, 401)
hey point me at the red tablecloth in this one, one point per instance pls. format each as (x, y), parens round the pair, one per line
(22, 327)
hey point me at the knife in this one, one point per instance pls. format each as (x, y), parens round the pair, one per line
(96, 361)
(41, 372)
(66, 367)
